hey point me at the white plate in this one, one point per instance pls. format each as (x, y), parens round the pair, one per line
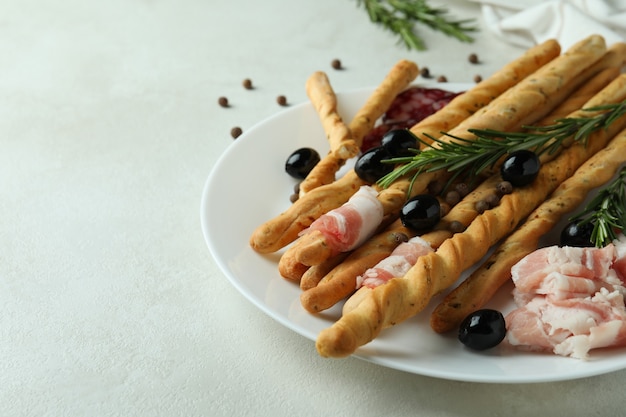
(249, 186)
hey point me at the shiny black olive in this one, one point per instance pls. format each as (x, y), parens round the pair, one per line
(421, 212)
(369, 166)
(482, 329)
(520, 167)
(578, 235)
(400, 142)
(301, 162)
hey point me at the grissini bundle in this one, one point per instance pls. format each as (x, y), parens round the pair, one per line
(283, 229)
(404, 297)
(528, 101)
(340, 281)
(278, 232)
(459, 108)
(465, 211)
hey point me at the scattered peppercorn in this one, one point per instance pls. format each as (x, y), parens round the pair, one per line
(462, 189)
(281, 100)
(481, 206)
(493, 200)
(453, 197)
(235, 132)
(296, 188)
(477, 78)
(294, 197)
(504, 187)
(247, 84)
(442, 79)
(222, 101)
(473, 58)
(336, 64)
(425, 72)
(456, 226)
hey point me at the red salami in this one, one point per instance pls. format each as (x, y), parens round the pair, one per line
(408, 108)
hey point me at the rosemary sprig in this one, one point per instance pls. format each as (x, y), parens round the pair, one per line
(606, 211)
(471, 157)
(401, 17)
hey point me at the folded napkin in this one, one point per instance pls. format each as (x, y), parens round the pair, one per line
(529, 22)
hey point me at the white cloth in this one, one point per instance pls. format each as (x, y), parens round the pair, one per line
(529, 22)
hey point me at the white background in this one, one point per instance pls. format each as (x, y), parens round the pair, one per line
(110, 303)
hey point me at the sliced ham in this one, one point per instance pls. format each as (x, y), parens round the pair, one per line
(569, 300)
(351, 224)
(397, 264)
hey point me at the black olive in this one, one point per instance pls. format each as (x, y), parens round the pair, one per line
(482, 329)
(369, 166)
(578, 235)
(301, 162)
(421, 212)
(520, 167)
(399, 142)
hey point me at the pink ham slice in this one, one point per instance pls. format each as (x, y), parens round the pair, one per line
(348, 226)
(570, 300)
(397, 264)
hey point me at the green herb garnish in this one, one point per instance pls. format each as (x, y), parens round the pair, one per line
(471, 157)
(401, 17)
(606, 212)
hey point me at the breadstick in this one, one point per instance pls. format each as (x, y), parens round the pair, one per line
(526, 102)
(315, 274)
(476, 290)
(324, 100)
(283, 229)
(464, 105)
(291, 269)
(400, 76)
(598, 76)
(581, 96)
(345, 143)
(402, 298)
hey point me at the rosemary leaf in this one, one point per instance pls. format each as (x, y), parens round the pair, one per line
(469, 158)
(401, 16)
(606, 211)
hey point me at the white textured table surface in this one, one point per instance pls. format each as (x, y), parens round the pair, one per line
(110, 302)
